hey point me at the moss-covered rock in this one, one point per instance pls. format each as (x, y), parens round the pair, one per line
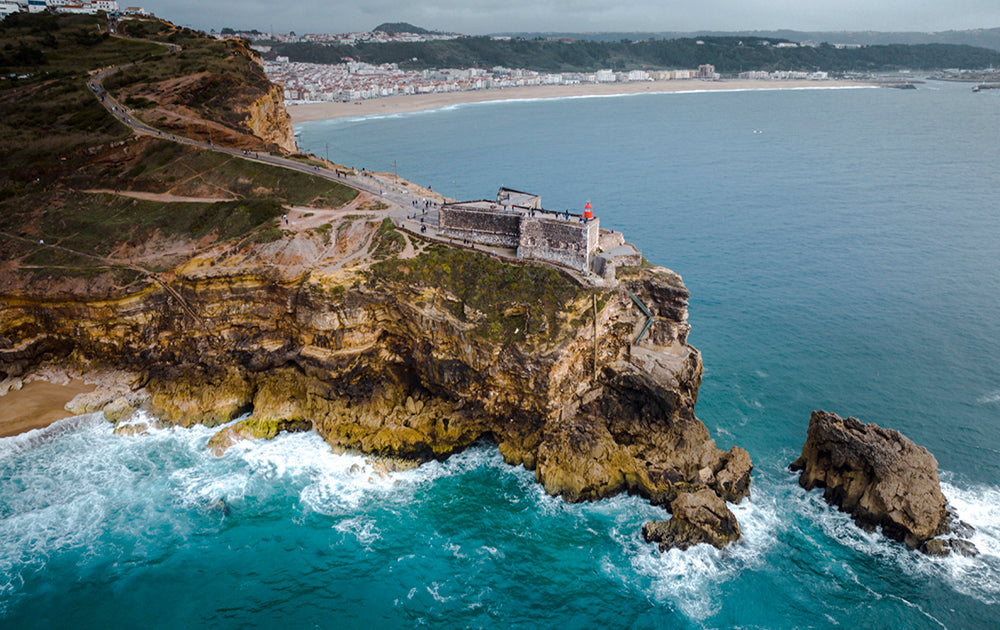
(201, 398)
(254, 429)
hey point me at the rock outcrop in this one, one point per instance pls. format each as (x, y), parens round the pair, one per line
(412, 358)
(268, 119)
(698, 517)
(882, 479)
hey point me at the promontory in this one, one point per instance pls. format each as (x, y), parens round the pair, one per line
(160, 232)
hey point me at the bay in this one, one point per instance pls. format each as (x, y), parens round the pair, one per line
(842, 250)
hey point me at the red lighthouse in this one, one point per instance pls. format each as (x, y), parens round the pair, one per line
(588, 211)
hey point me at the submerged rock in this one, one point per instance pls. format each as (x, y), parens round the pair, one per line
(699, 517)
(882, 479)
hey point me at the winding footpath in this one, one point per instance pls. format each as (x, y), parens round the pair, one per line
(399, 201)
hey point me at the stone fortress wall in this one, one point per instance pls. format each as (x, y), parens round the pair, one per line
(518, 221)
(497, 227)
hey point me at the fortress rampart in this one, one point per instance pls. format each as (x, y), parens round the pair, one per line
(563, 238)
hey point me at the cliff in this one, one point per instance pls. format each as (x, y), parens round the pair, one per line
(268, 119)
(209, 89)
(414, 357)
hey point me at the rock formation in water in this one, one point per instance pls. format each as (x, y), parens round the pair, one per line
(882, 479)
(698, 517)
(415, 358)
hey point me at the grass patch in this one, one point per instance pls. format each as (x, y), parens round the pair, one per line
(49, 116)
(387, 241)
(520, 301)
(96, 225)
(161, 166)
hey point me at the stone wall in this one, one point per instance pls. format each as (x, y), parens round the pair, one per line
(609, 239)
(536, 234)
(496, 227)
(567, 243)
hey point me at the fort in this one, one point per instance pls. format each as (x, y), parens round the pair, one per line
(517, 220)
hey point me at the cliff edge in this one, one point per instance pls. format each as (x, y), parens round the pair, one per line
(413, 357)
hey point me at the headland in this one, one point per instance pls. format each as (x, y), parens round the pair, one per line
(213, 276)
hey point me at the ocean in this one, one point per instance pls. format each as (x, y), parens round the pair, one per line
(842, 248)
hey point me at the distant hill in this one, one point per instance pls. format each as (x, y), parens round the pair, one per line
(400, 27)
(984, 37)
(729, 55)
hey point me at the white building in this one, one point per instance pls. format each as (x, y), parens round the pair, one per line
(605, 76)
(10, 6)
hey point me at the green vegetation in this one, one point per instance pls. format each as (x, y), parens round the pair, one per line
(58, 141)
(728, 55)
(47, 112)
(387, 241)
(518, 299)
(190, 172)
(399, 27)
(75, 232)
(220, 73)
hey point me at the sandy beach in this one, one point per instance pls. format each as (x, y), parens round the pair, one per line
(37, 405)
(423, 102)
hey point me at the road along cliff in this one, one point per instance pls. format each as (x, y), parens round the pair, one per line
(411, 357)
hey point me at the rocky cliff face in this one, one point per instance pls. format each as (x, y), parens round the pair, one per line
(409, 358)
(268, 119)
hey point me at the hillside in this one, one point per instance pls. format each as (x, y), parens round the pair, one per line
(729, 55)
(980, 37)
(84, 197)
(399, 27)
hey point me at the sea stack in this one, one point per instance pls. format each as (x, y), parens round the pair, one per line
(882, 479)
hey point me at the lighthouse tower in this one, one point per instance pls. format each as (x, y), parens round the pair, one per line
(588, 212)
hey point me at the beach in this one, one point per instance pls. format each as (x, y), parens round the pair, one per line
(37, 405)
(422, 102)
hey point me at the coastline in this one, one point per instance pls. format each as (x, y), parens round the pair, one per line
(423, 102)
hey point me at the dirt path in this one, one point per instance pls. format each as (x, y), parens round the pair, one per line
(302, 218)
(165, 197)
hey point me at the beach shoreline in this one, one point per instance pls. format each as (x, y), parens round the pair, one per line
(38, 404)
(390, 105)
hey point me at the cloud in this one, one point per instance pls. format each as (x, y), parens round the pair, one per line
(489, 16)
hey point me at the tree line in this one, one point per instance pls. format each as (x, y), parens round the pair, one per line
(729, 55)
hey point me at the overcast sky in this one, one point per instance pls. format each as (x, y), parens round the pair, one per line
(476, 17)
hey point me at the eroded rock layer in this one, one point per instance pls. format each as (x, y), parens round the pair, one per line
(413, 359)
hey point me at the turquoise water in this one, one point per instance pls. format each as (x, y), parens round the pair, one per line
(846, 257)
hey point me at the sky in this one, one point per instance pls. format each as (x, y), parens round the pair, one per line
(478, 17)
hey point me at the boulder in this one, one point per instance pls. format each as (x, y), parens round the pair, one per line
(699, 517)
(879, 477)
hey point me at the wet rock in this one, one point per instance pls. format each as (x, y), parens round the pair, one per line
(253, 429)
(220, 507)
(698, 517)
(201, 397)
(732, 481)
(878, 476)
(132, 430)
(947, 546)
